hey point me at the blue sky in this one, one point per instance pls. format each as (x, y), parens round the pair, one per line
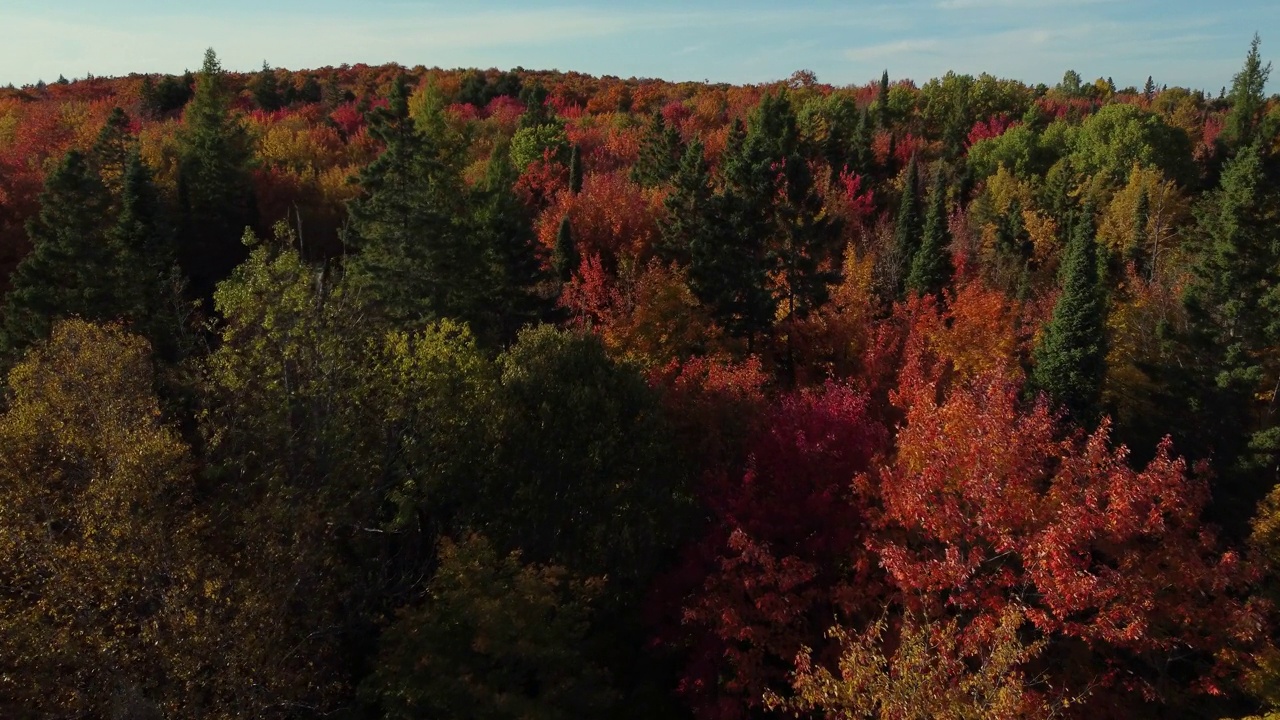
(1180, 42)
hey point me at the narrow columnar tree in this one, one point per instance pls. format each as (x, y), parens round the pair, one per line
(1070, 360)
(215, 197)
(931, 268)
(906, 233)
(1248, 103)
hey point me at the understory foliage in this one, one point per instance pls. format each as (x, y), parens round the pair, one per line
(382, 392)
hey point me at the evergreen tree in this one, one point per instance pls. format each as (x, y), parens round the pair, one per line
(575, 170)
(1232, 303)
(506, 235)
(417, 256)
(1149, 90)
(215, 196)
(690, 221)
(147, 283)
(565, 260)
(1247, 100)
(266, 89)
(906, 233)
(729, 270)
(536, 112)
(779, 230)
(860, 155)
(661, 151)
(65, 273)
(1070, 360)
(882, 102)
(931, 268)
(111, 150)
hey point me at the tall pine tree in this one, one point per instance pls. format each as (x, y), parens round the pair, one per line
(417, 257)
(1070, 360)
(661, 151)
(1248, 103)
(906, 232)
(1232, 302)
(215, 196)
(931, 268)
(66, 272)
(506, 236)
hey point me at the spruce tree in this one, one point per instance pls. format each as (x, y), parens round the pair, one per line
(575, 170)
(565, 259)
(1232, 303)
(660, 156)
(931, 268)
(1070, 360)
(882, 102)
(266, 89)
(215, 195)
(1248, 103)
(861, 158)
(111, 150)
(776, 215)
(506, 236)
(66, 271)
(906, 233)
(147, 284)
(417, 258)
(690, 220)
(732, 268)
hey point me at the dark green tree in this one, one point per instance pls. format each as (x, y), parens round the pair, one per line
(861, 158)
(565, 260)
(1232, 303)
(147, 284)
(1248, 103)
(604, 497)
(536, 112)
(66, 271)
(882, 102)
(418, 258)
(575, 170)
(731, 273)
(931, 268)
(506, 236)
(266, 89)
(660, 156)
(1070, 360)
(215, 195)
(690, 220)
(111, 150)
(908, 228)
(503, 639)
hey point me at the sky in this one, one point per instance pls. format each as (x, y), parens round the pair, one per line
(1195, 44)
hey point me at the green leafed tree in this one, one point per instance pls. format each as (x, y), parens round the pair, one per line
(103, 586)
(494, 639)
(1232, 301)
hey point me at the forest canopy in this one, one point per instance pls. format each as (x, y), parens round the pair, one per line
(387, 392)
